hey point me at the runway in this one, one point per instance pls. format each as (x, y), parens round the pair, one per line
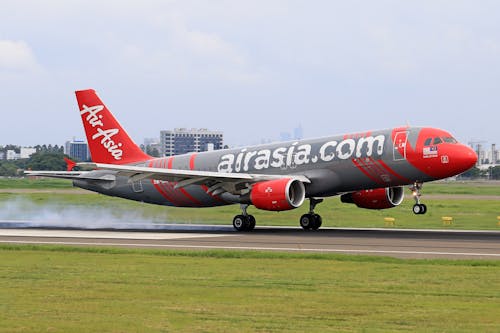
(398, 243)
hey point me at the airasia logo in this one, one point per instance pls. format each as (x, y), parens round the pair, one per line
(297, 154)
(94, 119)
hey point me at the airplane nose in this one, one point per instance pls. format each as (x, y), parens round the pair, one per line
(467, 158)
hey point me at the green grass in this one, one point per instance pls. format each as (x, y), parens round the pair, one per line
(461, 187)
(34, 183)
(467, 214)
(118, 290)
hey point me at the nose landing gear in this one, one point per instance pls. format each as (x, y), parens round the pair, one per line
(418, 208)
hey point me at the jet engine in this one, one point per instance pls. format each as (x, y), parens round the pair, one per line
(278, 195)
(379, 198)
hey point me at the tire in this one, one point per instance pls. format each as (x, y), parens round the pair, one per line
(306, 221)
(251, 222)
(240, 223)
(424, 208)
(318, 221)
(417, 209)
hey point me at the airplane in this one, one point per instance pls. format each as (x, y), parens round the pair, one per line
(368, 169)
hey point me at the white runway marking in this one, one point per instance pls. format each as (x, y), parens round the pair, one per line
(208, 247)
(102, 234)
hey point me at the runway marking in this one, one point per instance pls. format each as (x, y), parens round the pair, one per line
(103, 234)
(360, 251)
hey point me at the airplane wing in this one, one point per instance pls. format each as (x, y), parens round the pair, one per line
(217, 182)
(71, 175)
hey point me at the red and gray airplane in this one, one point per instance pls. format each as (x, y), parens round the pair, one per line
(368, 169)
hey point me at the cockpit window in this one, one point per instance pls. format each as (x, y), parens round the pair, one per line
(427, 142)
(449, 140)
(437, 141)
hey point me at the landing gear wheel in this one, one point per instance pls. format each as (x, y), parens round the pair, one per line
(419, 209)
(311, 221)
(318, 221)
(251, 222)
(241, 223)
(307, 221)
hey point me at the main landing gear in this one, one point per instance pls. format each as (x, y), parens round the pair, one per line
(311, 220)
(418, 208)
(244, 222)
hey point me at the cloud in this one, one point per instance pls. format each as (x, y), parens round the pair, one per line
(183, 53)
(17, 56)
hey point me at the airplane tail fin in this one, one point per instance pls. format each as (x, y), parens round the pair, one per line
(108, 141)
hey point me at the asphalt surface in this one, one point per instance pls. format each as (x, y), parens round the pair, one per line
(384, 242)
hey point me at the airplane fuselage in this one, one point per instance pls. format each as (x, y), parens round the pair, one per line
(334, 165)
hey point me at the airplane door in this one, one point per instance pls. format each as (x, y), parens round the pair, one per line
(400, 140)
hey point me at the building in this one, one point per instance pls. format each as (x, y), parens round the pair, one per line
(26, 152)
(77, 150)
(152, 147)
(181, 141)
(11, 155)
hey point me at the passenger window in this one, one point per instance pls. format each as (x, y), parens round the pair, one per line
(437, 141)
(427, 141)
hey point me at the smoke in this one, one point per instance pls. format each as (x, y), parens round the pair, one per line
(22, 212)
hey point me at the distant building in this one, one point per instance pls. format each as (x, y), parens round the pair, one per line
(298, 133)
(181, 141)
(11, 155)
(26, 152)
(78, 150)
(152, 146)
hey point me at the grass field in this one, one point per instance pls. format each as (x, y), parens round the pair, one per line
(475, 206)
(34, 183)
(48, 289)
(70, 289)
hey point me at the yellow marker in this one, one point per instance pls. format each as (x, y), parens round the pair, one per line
(498, 218)
(389, 221)
(447, 220)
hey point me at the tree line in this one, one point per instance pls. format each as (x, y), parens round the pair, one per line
(47, 157)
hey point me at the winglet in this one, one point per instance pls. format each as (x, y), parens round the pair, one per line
(69, 164)
(108, 141)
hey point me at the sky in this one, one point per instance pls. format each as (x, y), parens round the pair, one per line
(251, 69)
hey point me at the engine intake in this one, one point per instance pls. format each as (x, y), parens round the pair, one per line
(278, 195)
(379, 198)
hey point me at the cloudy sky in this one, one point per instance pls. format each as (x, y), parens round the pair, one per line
(251, 69)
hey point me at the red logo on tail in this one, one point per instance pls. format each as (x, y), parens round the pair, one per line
(108, 142)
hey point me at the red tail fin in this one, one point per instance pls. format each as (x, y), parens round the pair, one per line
(108, 142)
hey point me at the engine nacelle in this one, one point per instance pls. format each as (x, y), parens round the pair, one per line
(278, 195)
(379, 198)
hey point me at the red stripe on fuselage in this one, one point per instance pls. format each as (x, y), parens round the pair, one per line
(158, 186)
(362, 169)
(393, 172)
(191, 161)
(371, 167)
